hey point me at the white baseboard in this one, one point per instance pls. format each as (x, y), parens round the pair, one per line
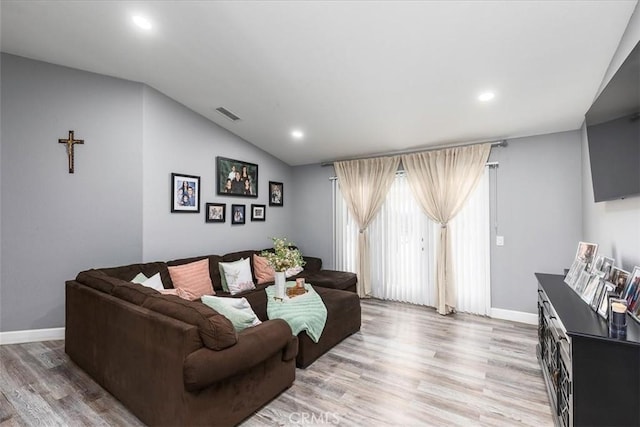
(514, 316)
(19, 337)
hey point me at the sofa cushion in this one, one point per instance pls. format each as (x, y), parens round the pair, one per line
(133, 292)
(331, 279)
(153, 282)
(128, 272)
(193, 278)
(237, 310)
(263, 272)
(98, 280)
(238, 275)
(140, 278)
(214, 273)
(204, 367)
(216, 331)
(312, 263)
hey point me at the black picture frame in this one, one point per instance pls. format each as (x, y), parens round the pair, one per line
(185, 203)
(238, 214)
(215, 212)
(258, 212)
(276, 193)
(238, 187)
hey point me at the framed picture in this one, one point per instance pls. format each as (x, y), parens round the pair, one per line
(573, 275)
(185, 193)
(597, 296)
(236, 178)
(632, 293)
(258, 212)
(619, 278)
(238, 214)
(215, 212)
(582, 282)
(603, 308)
(276, 194)
(591, 288)
(604, 265)
(587, 253)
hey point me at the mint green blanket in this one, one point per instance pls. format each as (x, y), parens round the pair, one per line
(303, 313)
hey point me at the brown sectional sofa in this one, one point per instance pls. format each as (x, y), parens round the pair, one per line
(178, 362)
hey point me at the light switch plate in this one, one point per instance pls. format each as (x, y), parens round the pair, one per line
(499, 240)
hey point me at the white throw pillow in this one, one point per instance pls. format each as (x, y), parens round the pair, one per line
(223, 279)
(237, 310)
(140, 278)
(154, 282)
(238, 276)
(292, 271)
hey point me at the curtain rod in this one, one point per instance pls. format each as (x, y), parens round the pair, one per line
(502, 143)
(490, 165)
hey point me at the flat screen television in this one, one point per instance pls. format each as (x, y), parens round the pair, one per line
(613, 132)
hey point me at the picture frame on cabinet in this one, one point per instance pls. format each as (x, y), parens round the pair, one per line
(603, 306)
(574, 273)
(600, 289)
(619, 279)
(185, 193)
(592, 287)
(583, 280)
(632, 291)
(604, 265)
(587, 252)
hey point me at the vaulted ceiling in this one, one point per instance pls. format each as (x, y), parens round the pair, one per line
(357, 77)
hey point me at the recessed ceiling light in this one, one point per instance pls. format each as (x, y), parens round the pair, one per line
(297, 134)
(486, 96)
(141, 22)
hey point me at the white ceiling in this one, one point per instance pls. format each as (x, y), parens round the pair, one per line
(359, 77)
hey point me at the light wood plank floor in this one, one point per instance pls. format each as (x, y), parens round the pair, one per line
(408, 366)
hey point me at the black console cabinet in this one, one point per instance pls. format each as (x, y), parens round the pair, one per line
(593, 380)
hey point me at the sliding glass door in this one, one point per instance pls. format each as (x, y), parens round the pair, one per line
(403, 248)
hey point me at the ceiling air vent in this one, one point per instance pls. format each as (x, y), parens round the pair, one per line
(228, 114)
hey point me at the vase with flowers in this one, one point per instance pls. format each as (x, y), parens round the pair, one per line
(283, 257)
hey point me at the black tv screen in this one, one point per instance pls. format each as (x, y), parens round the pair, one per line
(613, 131)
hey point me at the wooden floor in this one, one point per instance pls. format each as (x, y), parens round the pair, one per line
(407, 367)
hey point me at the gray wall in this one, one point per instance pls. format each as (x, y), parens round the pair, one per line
(538, 204)
(313, 218)
(177, 140)
(538, 213)
(55, 224)
(614, 225)
(115, 209)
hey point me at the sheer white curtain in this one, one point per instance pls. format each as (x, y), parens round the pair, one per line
(403, 248)
(364, 184)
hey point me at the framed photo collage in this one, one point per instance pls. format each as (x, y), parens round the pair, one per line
(597, 279)
(235, 178)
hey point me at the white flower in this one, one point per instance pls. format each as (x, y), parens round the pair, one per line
(283, 256)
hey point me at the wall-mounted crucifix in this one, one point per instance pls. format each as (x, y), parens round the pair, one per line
(70, 143)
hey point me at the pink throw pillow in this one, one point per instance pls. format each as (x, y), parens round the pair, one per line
(263, 271)
(192, 279)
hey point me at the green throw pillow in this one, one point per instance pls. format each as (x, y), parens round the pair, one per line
(237, 310)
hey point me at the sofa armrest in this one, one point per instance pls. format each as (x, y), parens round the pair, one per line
(312, 263)
(203, 367)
